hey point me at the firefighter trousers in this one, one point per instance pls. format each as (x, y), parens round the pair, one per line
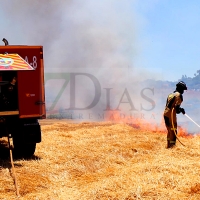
(171, 129)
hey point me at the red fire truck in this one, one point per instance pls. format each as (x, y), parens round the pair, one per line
(20, 110)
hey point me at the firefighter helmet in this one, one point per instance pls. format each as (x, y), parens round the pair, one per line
(181, 85)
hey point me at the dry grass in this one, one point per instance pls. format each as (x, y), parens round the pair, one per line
(102, 161)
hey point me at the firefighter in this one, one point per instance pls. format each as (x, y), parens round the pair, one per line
(172, 108)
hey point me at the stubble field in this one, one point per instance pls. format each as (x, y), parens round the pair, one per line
(102, 161)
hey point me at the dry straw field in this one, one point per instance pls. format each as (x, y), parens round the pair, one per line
(103, 161)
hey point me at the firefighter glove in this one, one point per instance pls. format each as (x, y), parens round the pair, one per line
(182, 110)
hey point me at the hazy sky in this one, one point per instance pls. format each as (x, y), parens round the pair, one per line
(170, 31)
(159, 35)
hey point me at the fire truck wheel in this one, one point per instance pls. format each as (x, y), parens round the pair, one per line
(24, 149)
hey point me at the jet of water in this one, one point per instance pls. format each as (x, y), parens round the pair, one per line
(192, 120)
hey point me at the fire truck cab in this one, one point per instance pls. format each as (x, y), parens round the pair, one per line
(20, 122)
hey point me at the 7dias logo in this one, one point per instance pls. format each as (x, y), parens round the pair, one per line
(71, 79)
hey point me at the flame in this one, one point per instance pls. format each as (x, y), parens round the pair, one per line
(182, 132)
(136, 122)
(142, 124)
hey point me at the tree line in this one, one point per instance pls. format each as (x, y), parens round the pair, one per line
(192, 83)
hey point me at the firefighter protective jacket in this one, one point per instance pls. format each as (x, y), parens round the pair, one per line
(174, 100)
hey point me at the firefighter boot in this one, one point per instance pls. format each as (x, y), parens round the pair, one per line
(168, 144)
(172, 144)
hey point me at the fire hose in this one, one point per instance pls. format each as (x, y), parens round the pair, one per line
(11, 146)
(173, 126)
(10, 143)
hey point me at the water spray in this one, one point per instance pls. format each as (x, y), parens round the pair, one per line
(192, 120)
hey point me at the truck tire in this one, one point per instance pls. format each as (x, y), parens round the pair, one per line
(25, 133)
(23, 149)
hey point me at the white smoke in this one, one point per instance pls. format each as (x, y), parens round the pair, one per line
(80, 34)
(97, 37)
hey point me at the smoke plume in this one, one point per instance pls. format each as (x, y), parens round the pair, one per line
(75, 33)
(99, 38)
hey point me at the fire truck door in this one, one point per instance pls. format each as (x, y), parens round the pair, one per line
(31, 93)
